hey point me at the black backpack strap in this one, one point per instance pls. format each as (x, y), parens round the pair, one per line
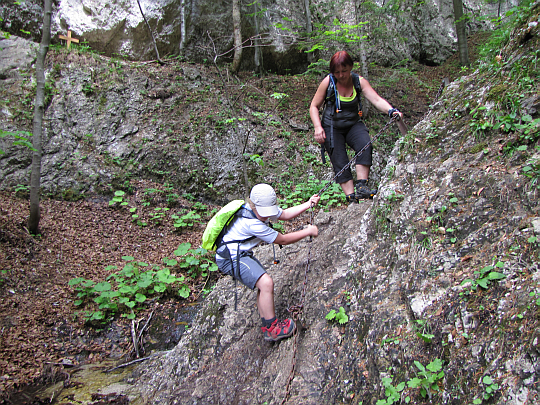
(358, 87)
(333, 102)
(243, 212)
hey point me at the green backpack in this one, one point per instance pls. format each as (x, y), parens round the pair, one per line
(219, 224)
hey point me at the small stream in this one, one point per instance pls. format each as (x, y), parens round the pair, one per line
(96, 383)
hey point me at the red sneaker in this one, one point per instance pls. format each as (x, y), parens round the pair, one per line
(279, 330)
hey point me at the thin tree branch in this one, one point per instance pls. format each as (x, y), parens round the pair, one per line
(151, 34)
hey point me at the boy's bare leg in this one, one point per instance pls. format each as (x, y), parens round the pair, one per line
(265, 297)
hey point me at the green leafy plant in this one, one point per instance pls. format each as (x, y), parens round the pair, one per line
(452, 238)
(301, 192)
(118, 199)
(131, 287)
(158, 215)
(127, 290)
(427, 377)
(21, 139)
(532, 171)
(393, 196)
(392, 393)
(426, 240)
(200, 206)
(172, 199)
(23, 188)
(257, 159)
(536, 297)
(438, 218)
(423, 330)
(339, 316)
(489, 389)
(194, 261)
(391, 339)
(186, 220)
(485, 276)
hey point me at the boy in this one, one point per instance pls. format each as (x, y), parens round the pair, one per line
(246, 232)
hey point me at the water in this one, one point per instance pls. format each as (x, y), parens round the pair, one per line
(90, 383)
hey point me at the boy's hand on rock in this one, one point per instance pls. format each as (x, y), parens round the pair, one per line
(313, 230)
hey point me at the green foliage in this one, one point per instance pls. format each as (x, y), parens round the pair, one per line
(423, 330)
(301, 192)
(185, 220)
(427, 377)
(335, 35)
(392, 393)
(532, 171)
(21, 139)
(200, 206)
(127, 290)
(194, 261)
(135, 217)
(257, 159)
(118, 199)
(6, 35)
(534, 295)
(383, 210)
(489, 389)
(505, 26)
(158, 215)
(438, 218)
(485, 276)
(21, 188)
(340, 316)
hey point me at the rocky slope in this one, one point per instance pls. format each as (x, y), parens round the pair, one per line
(454, 205)
(439, 271)
(109, 120)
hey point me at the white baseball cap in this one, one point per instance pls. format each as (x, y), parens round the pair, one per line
(265, 200)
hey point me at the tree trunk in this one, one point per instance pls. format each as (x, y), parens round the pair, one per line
(363, 61)
(182, 26)
(461, 33)
(237, 58)
(151, 34)
(39, 109)
(309, 29)
(257, 55)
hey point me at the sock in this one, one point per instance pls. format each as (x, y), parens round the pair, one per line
(266, 323)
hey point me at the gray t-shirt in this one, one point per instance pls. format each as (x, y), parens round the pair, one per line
(244, 228)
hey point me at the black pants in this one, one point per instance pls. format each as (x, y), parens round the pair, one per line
(356, 136)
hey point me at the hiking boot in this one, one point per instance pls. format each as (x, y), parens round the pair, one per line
(363, 191)
(279, 330)
(350, 198)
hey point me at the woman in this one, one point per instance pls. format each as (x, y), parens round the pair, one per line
(341, 123)
(246, 232)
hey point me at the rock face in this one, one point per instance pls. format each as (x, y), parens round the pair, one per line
(200, 30)
(16, 52)
(103, 113)
(440, 270)
(241, 367)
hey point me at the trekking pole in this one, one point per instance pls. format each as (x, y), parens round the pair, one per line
(402, 129)
(276, 261)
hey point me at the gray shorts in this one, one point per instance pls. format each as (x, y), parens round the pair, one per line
(251, 269)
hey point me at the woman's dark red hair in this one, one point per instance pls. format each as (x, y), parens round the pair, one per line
(340, 58)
